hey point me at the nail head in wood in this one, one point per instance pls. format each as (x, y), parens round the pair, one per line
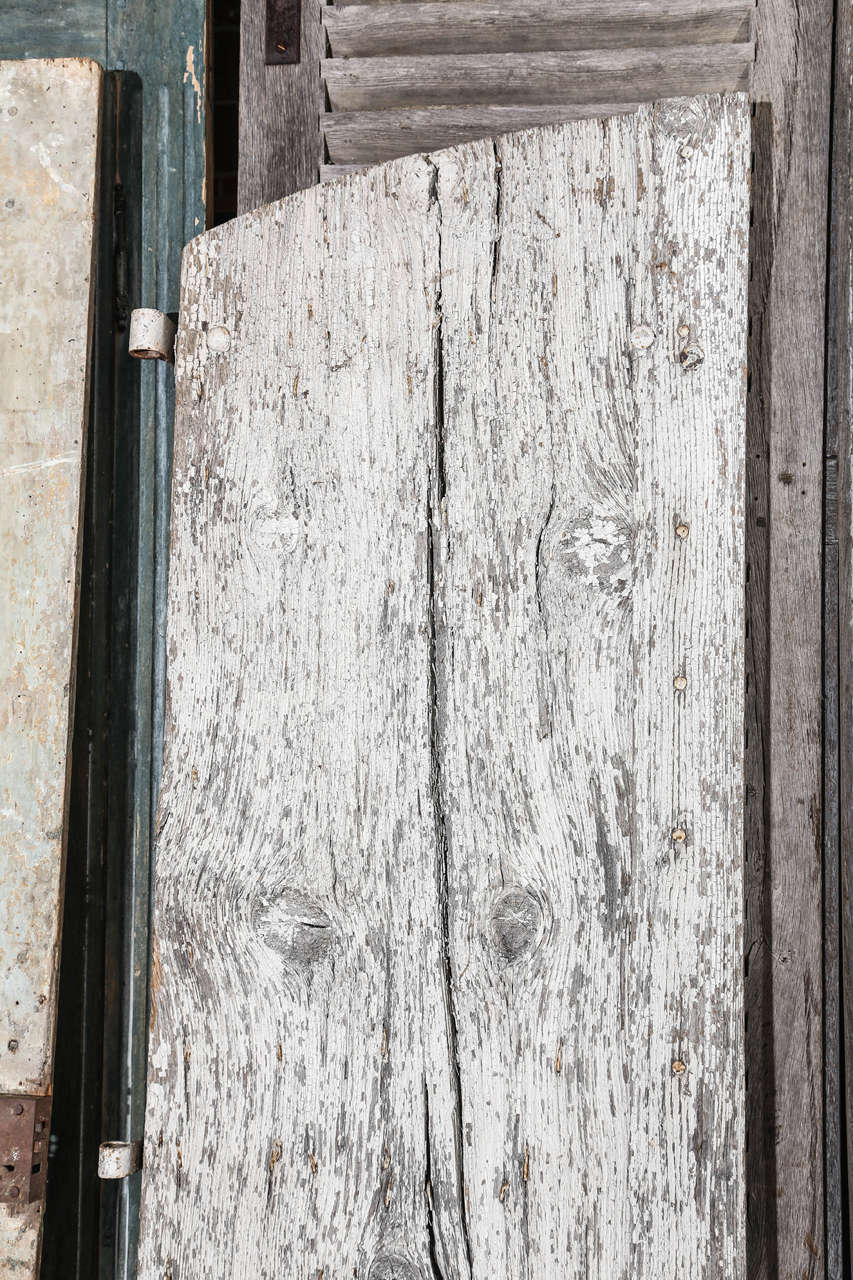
(691, 356)
(679, 835)
(642, 337)
(218, 339)
(681, 531)
(679, 1067)
(152, 335)
(680, 683)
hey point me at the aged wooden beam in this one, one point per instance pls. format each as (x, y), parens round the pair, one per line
(373, 30)
(448, 888)
(534, 79)
(784, 939)
(48, 169)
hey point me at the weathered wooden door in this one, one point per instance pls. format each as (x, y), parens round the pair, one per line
(448, 956)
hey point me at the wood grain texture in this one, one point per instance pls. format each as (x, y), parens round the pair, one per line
(371, 137)
(49, 121)
(838, 667)
(279, 144)
(791, 89)
(502, 26)
(534, 79)
(426, 949)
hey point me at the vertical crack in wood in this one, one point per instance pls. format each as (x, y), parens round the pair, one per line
(496, 242)
(432, 1226)
(435, 520)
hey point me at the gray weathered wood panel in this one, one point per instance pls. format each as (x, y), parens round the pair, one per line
(784, 931)
(374, 30)
(533, 79)
(49, 121)
(455, 661)
(838, 666)
(371, 137)
(279, 110)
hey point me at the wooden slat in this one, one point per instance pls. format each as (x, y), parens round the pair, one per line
(370, 84)
(784, 931)
(279, 146)
(415, 879)
(838, 669)
(838, 649)
(370, 137)
(569, 757)
(48, 168)
(500, 26)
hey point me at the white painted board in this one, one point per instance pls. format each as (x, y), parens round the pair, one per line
(448, 965)
(49, 124)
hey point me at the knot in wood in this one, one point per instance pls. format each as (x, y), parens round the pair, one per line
(392, 1266)
(296, 928)
(515, 923)
(596, 549)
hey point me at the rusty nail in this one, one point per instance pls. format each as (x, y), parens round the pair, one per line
(680, 682)
(679, 1067)
(679, 835)
(682, 530)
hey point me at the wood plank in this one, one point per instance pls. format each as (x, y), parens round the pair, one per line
(357, 138)
(568, 762)
(279, 146)
(838, 667)
(785, 1176)
(334, 908)
(408, 431)
(48, 165)
(503, 26)
(372, 84)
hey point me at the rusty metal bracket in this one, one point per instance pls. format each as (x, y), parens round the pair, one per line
(283, 22)
(24, 1133)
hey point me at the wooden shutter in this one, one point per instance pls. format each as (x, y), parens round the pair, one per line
(404, 77)
(448, 957)
(389, 78)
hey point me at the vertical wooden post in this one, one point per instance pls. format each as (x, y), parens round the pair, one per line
(784, 876)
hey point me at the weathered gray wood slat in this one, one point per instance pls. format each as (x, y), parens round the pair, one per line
(426, 947)
(371, 84)
(839, 443)
(499, 26)
(49, 122)
(785, 1176)
(357, 138)
(279, 143)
